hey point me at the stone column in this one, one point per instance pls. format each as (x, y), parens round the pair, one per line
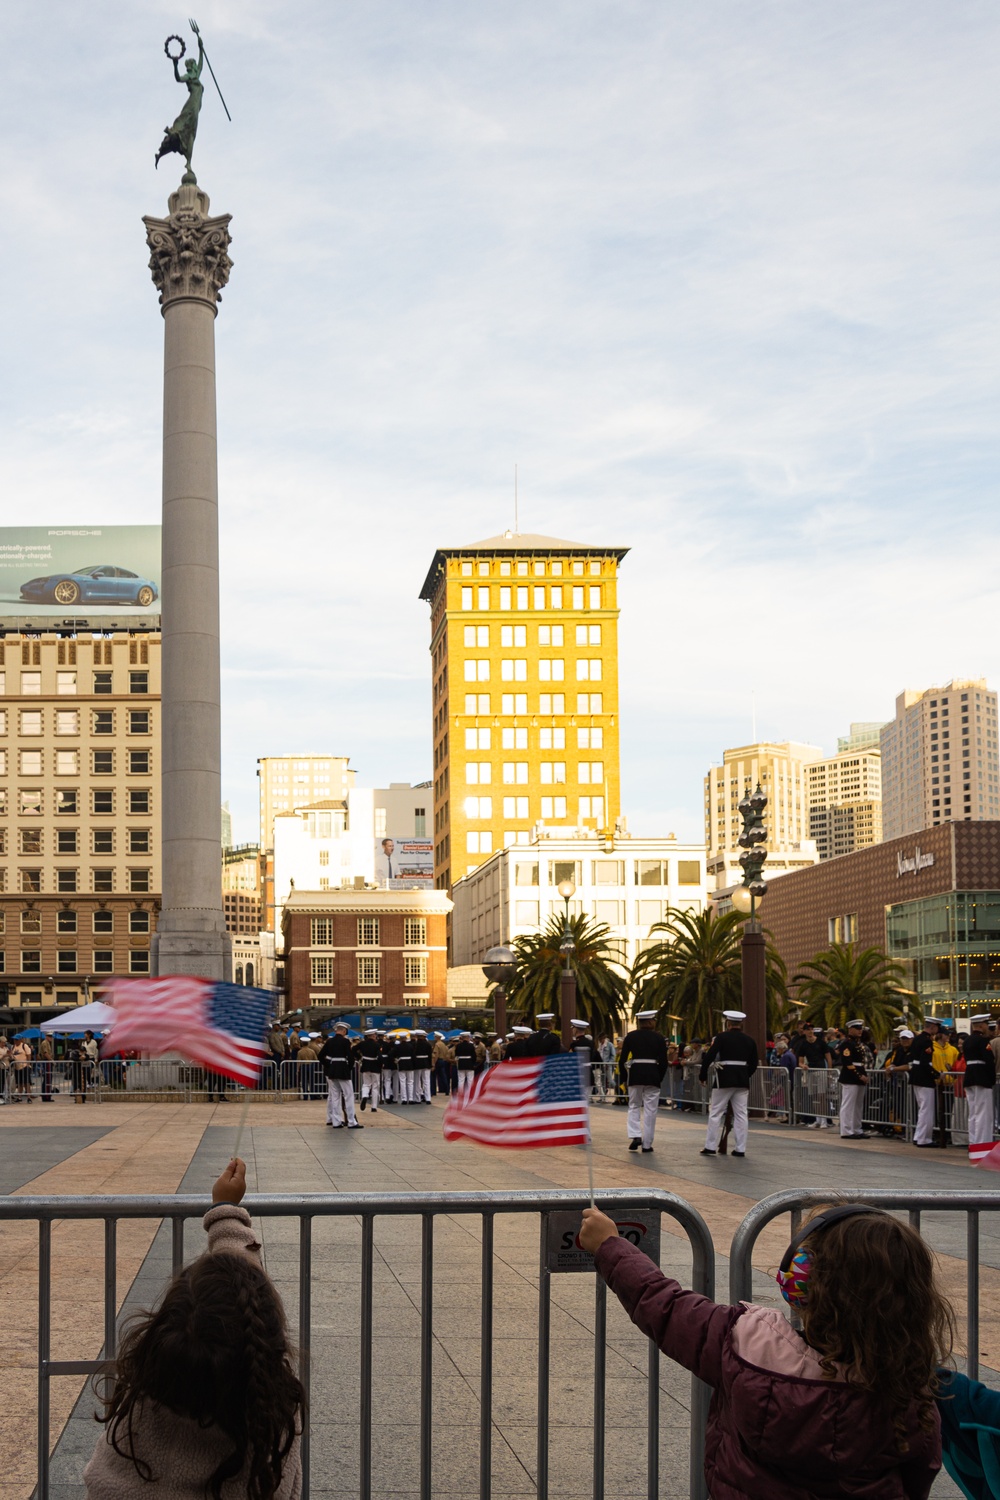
(190, 265)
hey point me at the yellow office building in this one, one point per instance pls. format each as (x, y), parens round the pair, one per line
(524, 654)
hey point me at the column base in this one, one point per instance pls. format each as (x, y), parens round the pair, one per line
(191, 943)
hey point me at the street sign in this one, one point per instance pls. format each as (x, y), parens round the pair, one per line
(563, 1253)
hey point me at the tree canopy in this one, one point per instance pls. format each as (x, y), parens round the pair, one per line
(602, 989)
(841, 984)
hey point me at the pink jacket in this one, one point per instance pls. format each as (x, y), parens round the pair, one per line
(777, 1428)
(182, 1455)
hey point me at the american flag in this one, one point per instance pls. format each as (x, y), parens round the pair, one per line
(221, 1027)
(537, 1101)
(985, 1154)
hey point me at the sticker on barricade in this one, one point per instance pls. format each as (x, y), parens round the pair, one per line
(563, 1253)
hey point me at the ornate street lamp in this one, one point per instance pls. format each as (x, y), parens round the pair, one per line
(499, 969)
(746, 899)
(567, 979)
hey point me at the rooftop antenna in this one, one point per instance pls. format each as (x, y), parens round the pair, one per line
(517, 529)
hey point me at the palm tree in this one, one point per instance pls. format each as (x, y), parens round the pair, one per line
(696, 972)
(841, 984)
(601, 987)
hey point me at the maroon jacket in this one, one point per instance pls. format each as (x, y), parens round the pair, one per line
(776, 1426)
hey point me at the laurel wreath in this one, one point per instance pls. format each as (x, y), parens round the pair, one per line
(174, 56)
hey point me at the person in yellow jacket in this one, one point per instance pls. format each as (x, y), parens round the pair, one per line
(944, 1056)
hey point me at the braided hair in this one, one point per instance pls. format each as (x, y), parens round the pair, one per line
(215, 1350)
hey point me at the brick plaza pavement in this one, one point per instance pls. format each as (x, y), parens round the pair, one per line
(129, 1148)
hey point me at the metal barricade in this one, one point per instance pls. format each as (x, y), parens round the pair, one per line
(303, 1080)
(794, 1201)
(366, 1209)
(887, 1105)
(952, 1115)
(816, 1095)
(771, 1094)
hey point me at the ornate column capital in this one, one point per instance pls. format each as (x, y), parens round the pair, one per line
(189, 258)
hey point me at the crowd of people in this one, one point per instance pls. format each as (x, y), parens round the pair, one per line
(20, 1065)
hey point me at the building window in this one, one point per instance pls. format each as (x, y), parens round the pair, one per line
(552, 739)
(515, 807)
(102, 683)
(553, 807)
(479, 807)
(514, 739)
(68, 802)
(477, 739)
(522, 598)
(514, 703)
(102, 841)
(591, 772)
(138, 921)
(515, 772)
(66, 961)
(65, 921)
(102, 803)
(67, 880)
(414, 970)
(138, 762)
(138, 961)
(415, 932)
(30, 762)
(65, 682)
(476, 669)
(321, 970)
(139, 801)
(67, 762)
(611, 912)
(31, 961)
(483, 597)
(31, 684)
(31, 882)
(552, 771)
(505, 598)
(551, 669)
(368, 932)
(31, 921)
(552, 703)
(140, 880)
(479, 843)
(609, 872)
(103, 921)
(103, 721)
(419, 822)
(138, 721)
(321, 932)
(103, 762)
(588, 669)
(466, 598)
(512, 636)
(369, 969)
(104, 880)
(590, 739)
(653, 871)
(478, 772)
(589, 703)
(476, 635)
(477, 703)
(138, 841)
(138, 682)
(30, 841)
(592, 808)
(31, 721)
(688, 872)
(104, 961)
(588, 635)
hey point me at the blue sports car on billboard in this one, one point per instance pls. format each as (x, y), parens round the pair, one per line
(103, 584)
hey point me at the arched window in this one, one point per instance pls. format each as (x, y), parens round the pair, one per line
(250, 975)
(239, 974)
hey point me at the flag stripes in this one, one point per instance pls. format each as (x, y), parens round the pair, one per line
(528, 1103)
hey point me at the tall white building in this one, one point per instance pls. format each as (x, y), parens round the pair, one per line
(288, 782)
(940, 761)
(845, 800)
(780, 768)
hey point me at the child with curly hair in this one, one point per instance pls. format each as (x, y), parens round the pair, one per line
(205, 1399)
(844, 1408)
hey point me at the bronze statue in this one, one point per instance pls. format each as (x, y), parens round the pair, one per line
(180, 135)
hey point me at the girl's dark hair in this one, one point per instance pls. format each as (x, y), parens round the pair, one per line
(216, 1350)
(869, 1274)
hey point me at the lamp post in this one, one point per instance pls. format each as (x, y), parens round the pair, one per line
(567, 979)
(746, 898)
(499, 969)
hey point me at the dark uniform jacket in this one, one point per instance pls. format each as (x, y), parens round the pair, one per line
(465, 1055)
(543, 1044)
(851, 1056)
(644, 1058)
(336, 1057)
(370, 1052)
(585, 1046)
(517, 1049)
(980, 1064)
(421, 1049)
(403, 1055)
(922, 1075)
(736, 1054)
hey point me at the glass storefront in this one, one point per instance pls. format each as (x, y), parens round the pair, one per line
(949, 946)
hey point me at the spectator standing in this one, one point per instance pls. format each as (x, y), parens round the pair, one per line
(78, 1068)
(813, 1057)
(442, 1059)
(21, 1058)
(897, 1065)
(606, 1048)
(5, 1070)
(337, 1061)
(641, 1067)
(45, 1055)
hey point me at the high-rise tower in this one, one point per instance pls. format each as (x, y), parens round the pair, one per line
(940, 758)
(524, 653)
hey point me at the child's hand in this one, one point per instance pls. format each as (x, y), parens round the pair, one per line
(232, 1184)
(595, 1229)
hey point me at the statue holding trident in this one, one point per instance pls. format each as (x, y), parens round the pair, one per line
(180, 135)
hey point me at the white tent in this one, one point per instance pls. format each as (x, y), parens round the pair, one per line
(93, 1017)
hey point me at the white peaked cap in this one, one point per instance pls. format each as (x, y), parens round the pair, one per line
(854, 1023)
(984, 1017)
(546, 1015)
(580, 1025)
(906, 1032)
(931, 1021)
(523, 1031)
(418, 1031)
(509, 1037)
(466, 1033)
(341, 1026)
(735, 1015)
(645, 1015)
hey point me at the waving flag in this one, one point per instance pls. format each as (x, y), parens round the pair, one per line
(986, 1154)
(537, 1101)
(221, 1027)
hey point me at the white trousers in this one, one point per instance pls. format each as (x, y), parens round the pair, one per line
(980, 1113)
(404, 1086)
(643, 1102)
(924, 1133)
(371, 1088)
(389, 1077)
(421, 1084)
(340, 1092)
(852, 1097)
(717, 1114)
(465, 1077)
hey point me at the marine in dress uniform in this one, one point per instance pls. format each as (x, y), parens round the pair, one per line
(923, 1082)
(980, 1076)
(388, 1069)
(404, 1070)
(544, 1042)
(853, 1082)
(421, 1051)
(337, 1060)
(736, 1056)
(641, 1067)
(517, 1044)
(465, 1062)
(583, 1046)
(370, 1053)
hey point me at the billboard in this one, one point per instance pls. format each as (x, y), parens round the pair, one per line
(402, 863)
(75, 574)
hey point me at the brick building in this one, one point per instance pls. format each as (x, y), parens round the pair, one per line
(368, 949)
(242, 913)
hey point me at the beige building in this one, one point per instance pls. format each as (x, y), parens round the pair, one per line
(845, 802)
(626, 883)
(524, 665)
(780, 768)
(940, 760)
(79, 811)
(291, 781)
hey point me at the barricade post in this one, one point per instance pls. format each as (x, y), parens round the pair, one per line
(177, 1210)
(794, 1201)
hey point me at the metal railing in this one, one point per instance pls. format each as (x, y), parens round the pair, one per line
(366, 1208)
(794, 1201)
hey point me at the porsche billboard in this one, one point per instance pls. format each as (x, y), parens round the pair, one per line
(70, 575)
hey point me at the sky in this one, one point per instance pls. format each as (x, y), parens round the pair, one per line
(719, 279)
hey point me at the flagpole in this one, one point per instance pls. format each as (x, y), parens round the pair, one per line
(590, 1167)
(242, 1122)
